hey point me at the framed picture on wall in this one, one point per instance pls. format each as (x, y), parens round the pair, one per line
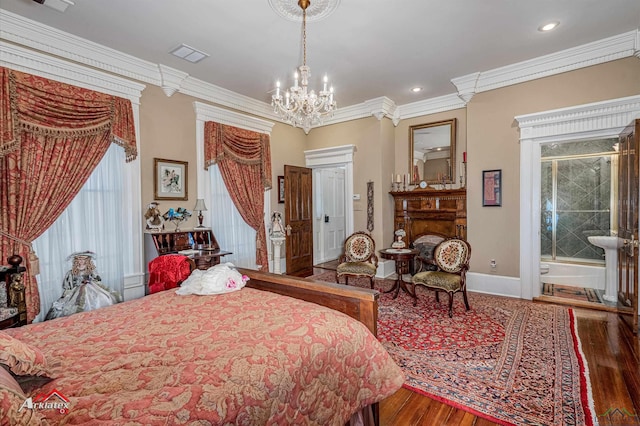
(492, 188)
(170, 179)
(280, 189)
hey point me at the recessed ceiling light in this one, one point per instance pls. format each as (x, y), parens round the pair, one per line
(416, 89)
(188, 53)
(548, 27)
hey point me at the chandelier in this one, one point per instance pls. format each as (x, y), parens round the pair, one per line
(299, 106)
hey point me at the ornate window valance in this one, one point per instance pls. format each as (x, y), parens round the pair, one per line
(41, 106)
(239, 145)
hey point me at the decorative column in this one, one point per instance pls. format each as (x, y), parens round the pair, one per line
(277, 243)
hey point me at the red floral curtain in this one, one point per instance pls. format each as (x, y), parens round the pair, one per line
(244, 158)
(53, 135)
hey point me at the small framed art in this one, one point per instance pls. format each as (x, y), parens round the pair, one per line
(170, 179)
(492, 188)
(280, 189)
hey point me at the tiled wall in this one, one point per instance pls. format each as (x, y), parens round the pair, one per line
(576, 181)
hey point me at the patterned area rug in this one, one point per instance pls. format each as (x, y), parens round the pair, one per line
(511, 361)
(569, 292)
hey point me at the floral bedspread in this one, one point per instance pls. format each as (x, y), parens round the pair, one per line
(248, 358)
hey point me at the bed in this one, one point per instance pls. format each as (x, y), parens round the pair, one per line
(248, 357)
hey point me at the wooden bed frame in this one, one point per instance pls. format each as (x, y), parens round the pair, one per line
(358, 303)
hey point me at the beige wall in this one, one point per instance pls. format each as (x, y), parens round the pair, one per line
(402, 138)
(287, 147)
(168, 131)
(486, 130)
(373, 140)
(493, 143)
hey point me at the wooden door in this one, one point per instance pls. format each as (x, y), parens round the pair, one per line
(298, 196)
(628, 225)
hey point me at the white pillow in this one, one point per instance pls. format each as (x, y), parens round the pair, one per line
(221, 278)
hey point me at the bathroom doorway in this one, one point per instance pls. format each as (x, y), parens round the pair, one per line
(598, 120)
(578, 189)
(578, 193)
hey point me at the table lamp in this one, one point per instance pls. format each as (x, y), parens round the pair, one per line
(200, 207)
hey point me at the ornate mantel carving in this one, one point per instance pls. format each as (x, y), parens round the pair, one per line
(424, 211)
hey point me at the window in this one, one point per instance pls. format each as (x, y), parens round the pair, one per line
(94, 221)
(231, 231)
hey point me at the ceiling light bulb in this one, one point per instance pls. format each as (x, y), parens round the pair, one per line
(416, 89)
(548, 27)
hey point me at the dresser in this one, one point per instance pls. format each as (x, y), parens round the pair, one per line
(198, 243)
(425, 211)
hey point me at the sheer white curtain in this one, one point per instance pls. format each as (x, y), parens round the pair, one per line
(231, 231)
(93, 221)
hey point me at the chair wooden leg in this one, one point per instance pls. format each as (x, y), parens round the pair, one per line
(371, 279)
(466, 302)
(337, 279)
(346, 280)
(450, 305)
(437, 297)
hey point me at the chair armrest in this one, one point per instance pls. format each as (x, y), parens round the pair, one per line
(374, 259)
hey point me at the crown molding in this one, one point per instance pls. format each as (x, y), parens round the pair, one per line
(221, 96)
(466, 86)
(171, 79)
(605, 50)
(431, 106)
(205, 112)
(25, 32)
(43, 65)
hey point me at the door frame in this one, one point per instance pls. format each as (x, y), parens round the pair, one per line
(319, 256)
(606, 119)
(337, 156)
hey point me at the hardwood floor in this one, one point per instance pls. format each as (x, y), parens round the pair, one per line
(613, 357)
(612, 353)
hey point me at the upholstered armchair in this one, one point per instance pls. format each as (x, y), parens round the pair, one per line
(168, 271)
(451, 259)
(425, 244)
(359, 258)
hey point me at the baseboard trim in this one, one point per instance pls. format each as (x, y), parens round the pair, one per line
(494, 284)
(134, 286)
(386, 268)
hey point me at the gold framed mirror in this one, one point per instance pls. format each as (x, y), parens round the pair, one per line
(432, 152)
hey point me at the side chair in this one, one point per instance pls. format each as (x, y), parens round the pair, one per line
(451, 258)
(359, 258)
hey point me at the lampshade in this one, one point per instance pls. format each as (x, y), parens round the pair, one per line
(200, 205)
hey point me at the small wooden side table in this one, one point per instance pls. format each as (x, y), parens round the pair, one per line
(402, 257)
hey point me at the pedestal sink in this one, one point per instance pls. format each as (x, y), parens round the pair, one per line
(610, 244)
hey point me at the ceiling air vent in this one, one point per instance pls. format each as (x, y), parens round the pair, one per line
(59, 5)
(188, 53)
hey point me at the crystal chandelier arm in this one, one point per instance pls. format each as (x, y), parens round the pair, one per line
(301, 107)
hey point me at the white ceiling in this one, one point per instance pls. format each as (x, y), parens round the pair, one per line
(369, 49)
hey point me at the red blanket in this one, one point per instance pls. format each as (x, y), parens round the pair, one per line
(248, 357)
